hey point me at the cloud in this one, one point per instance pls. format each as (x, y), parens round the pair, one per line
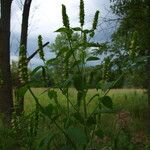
(45, 18)
(34, 62)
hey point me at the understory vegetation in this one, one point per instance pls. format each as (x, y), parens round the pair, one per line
(67, 104)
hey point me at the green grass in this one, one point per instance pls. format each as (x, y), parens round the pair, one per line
(127, 98)
(133, 100)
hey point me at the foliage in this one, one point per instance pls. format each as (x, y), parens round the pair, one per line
(130, 42)
(75, 124)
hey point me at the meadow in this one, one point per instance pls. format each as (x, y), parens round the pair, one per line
(131, 100)
(122, 128)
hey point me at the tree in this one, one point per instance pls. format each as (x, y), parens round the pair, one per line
(61, 42)
(134, 30)
(23, 42)
(6, 100)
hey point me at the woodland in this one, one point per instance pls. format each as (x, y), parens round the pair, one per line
(92, 95)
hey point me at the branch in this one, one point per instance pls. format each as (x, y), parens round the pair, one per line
(32, 55)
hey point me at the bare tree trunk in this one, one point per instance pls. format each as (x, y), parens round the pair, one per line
(23, 41)
(25, 20)
(6, 100)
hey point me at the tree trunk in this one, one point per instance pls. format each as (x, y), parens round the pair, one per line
(23, 41)
(6, 100)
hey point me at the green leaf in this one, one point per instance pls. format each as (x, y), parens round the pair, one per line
(62, 51)
(68, 122)
(79, 117)
(65, 30)
(69, 54)
(77, 29)
(105, 86)
(92, 34)
(107, 102)
(76, 63)
(91, 44)
(92, 58)
(94, 96)
(50, 61)
(44, 73)
(77, 135)
(55, 118)
(78, 82)
(53, 95)
(35, 70)
(99, 133)
(87, 31)
(46, 140)
(80, 96)
(48, 110)
(91, 120)
(21, 91)
(65, 147)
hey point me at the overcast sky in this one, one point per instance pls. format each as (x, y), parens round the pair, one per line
(45, 18)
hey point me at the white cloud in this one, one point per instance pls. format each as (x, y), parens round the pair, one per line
(14, 58)
(34, 62)
(45, 18)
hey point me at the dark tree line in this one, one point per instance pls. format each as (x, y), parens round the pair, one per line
(6, 99)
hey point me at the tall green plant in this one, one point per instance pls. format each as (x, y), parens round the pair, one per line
(77, 123)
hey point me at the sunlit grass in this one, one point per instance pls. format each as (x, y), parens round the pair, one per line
(132, 100)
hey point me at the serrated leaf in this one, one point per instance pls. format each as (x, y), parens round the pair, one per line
(107, 102)
(92, 58)
(77, 135)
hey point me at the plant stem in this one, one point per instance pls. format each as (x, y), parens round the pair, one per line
(66, 135)
(68, 107)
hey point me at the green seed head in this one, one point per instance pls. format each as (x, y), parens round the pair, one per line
(82, 14)
(22, 65)
(40, 44)
(65, 17)
(95, 21)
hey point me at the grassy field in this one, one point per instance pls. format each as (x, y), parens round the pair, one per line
(132, 100)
